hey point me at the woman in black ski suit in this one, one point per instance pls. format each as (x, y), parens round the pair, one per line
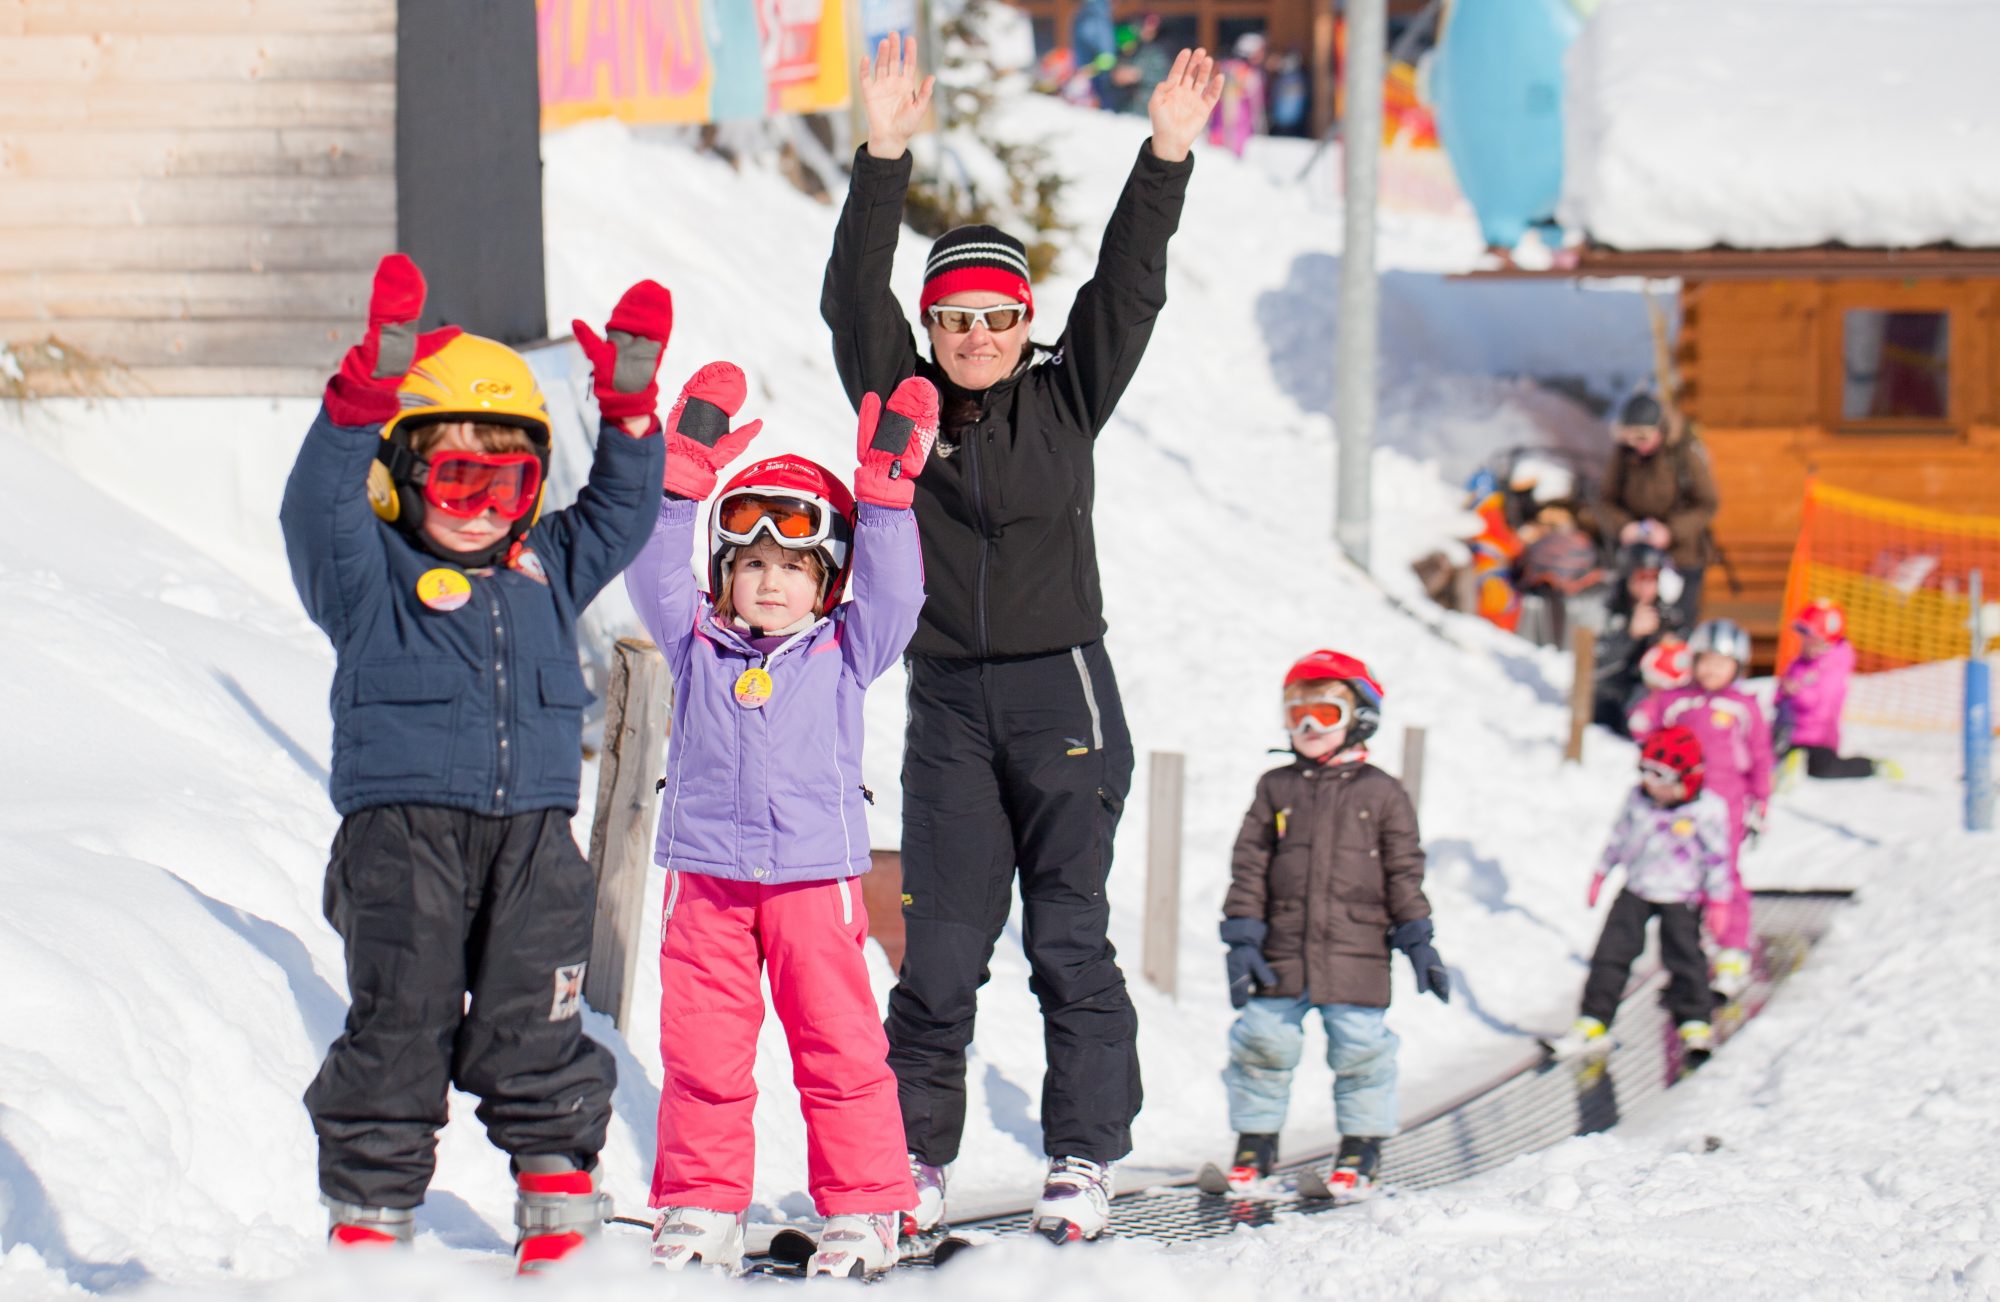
(1017, 754)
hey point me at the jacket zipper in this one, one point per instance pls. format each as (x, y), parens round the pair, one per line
(985, 542)
(499, 694)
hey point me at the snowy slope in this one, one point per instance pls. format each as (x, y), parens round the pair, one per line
(164, 824)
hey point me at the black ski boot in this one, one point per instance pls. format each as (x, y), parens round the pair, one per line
(1354, 1166)
(1256, 1155)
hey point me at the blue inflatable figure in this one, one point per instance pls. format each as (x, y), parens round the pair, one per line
(1497, 91)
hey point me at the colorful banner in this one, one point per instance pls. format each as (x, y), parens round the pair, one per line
(690, 61)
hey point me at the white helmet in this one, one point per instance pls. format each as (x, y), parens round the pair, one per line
(1722, 637)
(1542, 477)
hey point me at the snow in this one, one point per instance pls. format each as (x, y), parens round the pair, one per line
(171, 985)
(1781, 124)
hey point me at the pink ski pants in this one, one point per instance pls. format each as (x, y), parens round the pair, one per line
(1734, 931)
(715, 935)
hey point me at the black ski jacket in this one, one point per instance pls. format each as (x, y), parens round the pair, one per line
(1004, 505)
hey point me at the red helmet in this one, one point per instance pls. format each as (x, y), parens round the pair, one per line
(825, 519)
(1666, 665)
(1822, 619)
(1344, 669)
(1674, 751)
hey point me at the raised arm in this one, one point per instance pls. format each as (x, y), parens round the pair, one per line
(1112, 319)
(332, 538)
(661, 581)
(873, 348)
(892, 444)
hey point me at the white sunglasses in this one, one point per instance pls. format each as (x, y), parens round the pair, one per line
(960, 320)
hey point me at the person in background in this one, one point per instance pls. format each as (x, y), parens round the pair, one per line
(1658, 489)
(1094, 37)
(1143, 64)
(1736, 752)
(1017, 758)
(1326, 882)
(1240, 113)
(1672, 839)
(413, 525)
(1291, 93)
(1812, 691)
(1639, 617)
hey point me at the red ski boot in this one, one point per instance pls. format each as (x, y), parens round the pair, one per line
(352, 1225)
(556, 1208)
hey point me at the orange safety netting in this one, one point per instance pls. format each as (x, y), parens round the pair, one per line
(1903, 575)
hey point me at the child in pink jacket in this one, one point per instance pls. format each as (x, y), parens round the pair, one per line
(762, 826)
(1811, 694)
(1736, 750)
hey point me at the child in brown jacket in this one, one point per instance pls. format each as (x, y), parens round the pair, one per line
(1327, 878)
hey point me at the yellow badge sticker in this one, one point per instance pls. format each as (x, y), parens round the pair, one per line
(443, 589)
(1282, 814)
(908, 899)
(1683, 827)
(753, 688)
(1721, 718)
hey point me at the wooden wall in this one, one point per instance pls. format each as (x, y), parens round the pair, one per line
(193, 193)
(1760, 362)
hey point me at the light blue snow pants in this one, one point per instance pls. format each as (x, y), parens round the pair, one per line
(1264, 1047)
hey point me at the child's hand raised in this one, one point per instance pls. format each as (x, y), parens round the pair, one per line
(894, 442)
(699, 440)
(625, 364)
(363, 390)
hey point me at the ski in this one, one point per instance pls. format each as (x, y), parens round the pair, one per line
(791, 1250)
(1311, 1185)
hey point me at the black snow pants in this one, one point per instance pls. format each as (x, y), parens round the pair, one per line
(434, 903)
(1013, 764)
(1624, 935)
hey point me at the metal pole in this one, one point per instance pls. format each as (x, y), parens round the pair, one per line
(1361, 146)
(1161, 956)
(1978, 721)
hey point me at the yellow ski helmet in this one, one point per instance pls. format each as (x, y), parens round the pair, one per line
(471, 378)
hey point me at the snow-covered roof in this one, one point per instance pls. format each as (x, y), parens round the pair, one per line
(1784, 123)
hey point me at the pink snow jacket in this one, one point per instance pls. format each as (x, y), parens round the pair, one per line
(1814, 691)
(1735, 741)
(1672, 854)
(772, 795)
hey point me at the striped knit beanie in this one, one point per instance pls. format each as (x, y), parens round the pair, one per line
(972, 258)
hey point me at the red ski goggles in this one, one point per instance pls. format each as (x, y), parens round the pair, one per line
(794, 522)
(469, 484)
(1326, 715)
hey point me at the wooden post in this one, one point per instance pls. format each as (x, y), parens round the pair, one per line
(1413, 766)
(1163, 870)
(635, 735)
(1583, 646)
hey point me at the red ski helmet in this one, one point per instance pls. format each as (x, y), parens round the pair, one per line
(1674, 751)
(1323, 664)
(826, 503)
(1666, 665)
(1822, 619)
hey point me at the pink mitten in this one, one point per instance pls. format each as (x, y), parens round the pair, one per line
(699, 440)
(1596, 886)
(893, 443)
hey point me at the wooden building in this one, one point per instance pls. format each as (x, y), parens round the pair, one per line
(1877, 370)
(194, 193)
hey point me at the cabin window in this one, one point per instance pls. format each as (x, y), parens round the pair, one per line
(1895, 366)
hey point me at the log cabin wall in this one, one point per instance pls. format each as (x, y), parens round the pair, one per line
(193, 193)
(1761, 365)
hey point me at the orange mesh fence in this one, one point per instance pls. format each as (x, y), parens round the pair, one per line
(1903, 575)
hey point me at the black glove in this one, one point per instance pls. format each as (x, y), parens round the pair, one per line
(1414, 939)
(1248, 972)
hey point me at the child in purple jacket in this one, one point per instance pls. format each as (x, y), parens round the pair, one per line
(1811, 694)
(1672, 839)
(762, 826)
(1736, 745)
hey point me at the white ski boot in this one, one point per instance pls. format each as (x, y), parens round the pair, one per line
(856, 1245)
(928, 1214)
(1586, 1038)
(1729, 974)
(1075, 1202)
(685, 1236)
(1697, 1037)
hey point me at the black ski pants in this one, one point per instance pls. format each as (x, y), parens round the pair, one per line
(1014, 765)
(434, 904)
(1826, 762)
(1624, 935)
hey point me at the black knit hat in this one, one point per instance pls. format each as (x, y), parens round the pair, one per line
(1641, 408)
(970, 258)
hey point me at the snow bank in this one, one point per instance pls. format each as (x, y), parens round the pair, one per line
(1778, 124)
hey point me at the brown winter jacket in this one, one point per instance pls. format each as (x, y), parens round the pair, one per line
(1673, 485)
(1329, 857)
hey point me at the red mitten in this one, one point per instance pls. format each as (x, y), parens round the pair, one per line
(1596, 885)
(699, 440)
(894, 442)
(363, 390)
(626, 362)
